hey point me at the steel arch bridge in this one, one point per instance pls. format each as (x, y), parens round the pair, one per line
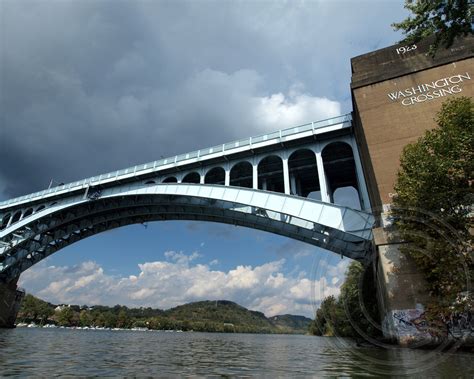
(285, 183)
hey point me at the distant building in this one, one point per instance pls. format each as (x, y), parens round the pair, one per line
(60, 307)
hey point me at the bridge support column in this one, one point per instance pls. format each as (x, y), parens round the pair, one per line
(286, 176)
(10, 301)
(401, 291)
(363, 191)
(255, 176)
(323, 187)
(293, 185)
(227, 177)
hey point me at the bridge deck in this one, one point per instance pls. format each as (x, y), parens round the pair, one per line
(227, 149)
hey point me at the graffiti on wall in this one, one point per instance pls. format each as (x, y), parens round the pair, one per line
(413, 323)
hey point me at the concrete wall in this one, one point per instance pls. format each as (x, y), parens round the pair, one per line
(10, 301)
(402, 298)
(401, 289)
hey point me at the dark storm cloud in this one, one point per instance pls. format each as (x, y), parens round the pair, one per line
(89, 87)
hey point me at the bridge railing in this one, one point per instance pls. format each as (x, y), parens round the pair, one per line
(156, 165)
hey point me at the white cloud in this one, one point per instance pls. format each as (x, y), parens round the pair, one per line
(129, 82)
(178, 280)
(278, 111)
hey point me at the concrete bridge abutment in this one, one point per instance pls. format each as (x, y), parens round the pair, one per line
(10, 302)
(401, 291)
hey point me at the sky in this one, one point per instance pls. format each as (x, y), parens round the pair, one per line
(89, 87)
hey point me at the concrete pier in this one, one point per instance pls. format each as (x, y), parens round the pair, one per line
(402, 292)
(10, 302)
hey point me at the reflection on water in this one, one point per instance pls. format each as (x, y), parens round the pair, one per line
(46, 352)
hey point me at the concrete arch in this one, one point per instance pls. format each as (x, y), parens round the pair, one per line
(241, 174)
(339, 229)
(192, 177)
(340, 167)
(323, 144)
(215, 175)
(170, 179)
(270, 174)
(303, 172)
(260, 158)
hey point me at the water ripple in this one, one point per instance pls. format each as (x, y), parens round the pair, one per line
(60, 352)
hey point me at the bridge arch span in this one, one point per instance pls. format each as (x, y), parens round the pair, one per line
(339, 229)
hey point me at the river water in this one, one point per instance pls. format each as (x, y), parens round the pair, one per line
(48, 352)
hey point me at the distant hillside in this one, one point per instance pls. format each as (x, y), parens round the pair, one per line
(201, 316)
(214, 314)
(221, 310)
(296, 323)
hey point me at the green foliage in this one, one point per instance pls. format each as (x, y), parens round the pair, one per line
(349, 315)
(65, 316)
(35, 310)
(326, 317)
(445, 19)
(85, 318)
(433, 206)
(203, 316)
(216, 316)
(291, 322)
(123, 321)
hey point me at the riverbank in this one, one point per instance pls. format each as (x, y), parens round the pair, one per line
(219, 316)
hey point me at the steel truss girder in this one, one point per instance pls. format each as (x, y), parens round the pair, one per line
(39, 235)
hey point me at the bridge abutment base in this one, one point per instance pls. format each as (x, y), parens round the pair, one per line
(10, 302)
(402, 293)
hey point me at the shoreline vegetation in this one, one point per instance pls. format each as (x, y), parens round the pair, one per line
(350, 314)
(220, 316)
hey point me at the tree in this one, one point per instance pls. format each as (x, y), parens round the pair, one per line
(110, 320)
(349, 315)
(358, 304)
(65, 316)
(85, 319)
(323, 324)
(34, 309)
(123, 321)
(445, 19)
(434, 203)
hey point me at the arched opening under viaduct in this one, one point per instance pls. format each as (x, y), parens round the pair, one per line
(303, 174)
(170, 179)
(270, 174)
(192, 177)
(341, 174)
(241, 175)
(215, 175)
